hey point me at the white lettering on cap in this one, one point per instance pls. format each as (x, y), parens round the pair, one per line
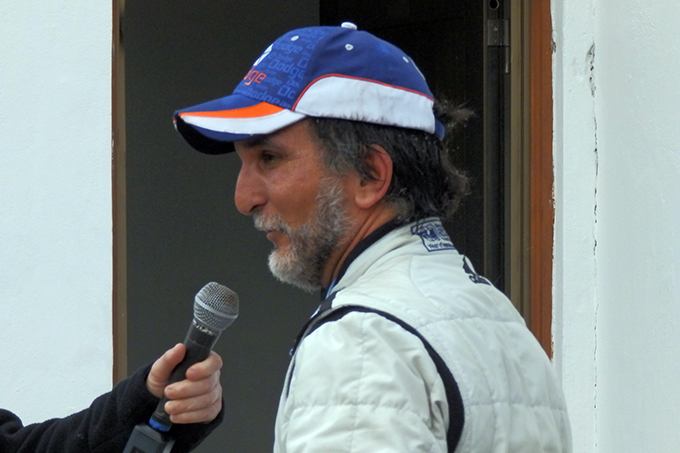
(266, 52)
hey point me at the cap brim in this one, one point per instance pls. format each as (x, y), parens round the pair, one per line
(212, 127)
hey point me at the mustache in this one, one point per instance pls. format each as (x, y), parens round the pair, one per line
(270, 223)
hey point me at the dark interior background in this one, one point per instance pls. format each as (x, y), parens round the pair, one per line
(445, 40)
(183, 229)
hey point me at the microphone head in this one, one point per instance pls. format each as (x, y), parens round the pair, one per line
(216, 306)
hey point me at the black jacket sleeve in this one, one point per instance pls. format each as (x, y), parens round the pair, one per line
(104, 427)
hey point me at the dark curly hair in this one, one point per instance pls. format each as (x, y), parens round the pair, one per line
(424, 181)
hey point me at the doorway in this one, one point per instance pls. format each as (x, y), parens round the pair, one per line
(177, 225)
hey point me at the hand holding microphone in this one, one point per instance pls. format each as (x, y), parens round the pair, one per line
(215, 309)
(198, 399)
(186, 377)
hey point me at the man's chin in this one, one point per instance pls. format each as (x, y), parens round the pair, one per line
(298, 283)
(285, 271)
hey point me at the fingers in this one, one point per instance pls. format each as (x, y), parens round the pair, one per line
(205, 414)
(205, 368)
(201, 379)
(162, 368)
(196, 399)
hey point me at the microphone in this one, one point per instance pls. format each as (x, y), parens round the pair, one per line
(215, 309)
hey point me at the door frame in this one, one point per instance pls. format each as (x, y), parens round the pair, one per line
(531, 206)
(119, 252)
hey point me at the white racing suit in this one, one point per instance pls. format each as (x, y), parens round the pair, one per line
(362, 382)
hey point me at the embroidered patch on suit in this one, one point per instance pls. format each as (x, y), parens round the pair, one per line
(433, 235)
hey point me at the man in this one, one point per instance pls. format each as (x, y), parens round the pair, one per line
(105, 427)
(344, 168)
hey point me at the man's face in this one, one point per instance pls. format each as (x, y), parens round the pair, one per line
(299, 204)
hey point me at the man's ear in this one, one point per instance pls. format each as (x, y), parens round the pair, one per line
(371, 191)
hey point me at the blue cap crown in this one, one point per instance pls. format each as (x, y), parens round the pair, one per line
(331, 72)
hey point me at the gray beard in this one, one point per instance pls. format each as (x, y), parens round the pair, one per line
(312, 243)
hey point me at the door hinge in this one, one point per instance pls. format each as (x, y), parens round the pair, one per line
(498, 32)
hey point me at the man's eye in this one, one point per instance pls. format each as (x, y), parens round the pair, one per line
(267, 157)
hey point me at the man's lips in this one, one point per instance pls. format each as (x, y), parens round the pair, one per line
(273, 228)
(273, 235)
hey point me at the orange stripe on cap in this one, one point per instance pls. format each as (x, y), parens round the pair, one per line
(254, 111)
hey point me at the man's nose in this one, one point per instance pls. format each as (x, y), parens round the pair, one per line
(248, 194)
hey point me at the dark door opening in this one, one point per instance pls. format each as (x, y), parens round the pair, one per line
(182, 228)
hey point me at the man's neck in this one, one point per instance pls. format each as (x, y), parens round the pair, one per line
(374, 220)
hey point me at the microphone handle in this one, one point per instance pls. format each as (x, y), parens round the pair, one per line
(199, 342)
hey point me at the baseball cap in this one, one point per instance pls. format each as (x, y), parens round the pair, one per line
(325, 71)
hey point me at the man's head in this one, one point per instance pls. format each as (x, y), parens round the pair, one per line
(303, 207)
(337, 133)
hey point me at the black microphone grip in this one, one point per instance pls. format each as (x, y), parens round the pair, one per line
(199, 342)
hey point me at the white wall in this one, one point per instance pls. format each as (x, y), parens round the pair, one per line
(638, 70)
(575, 289)
(617, 246)
(55, 205)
